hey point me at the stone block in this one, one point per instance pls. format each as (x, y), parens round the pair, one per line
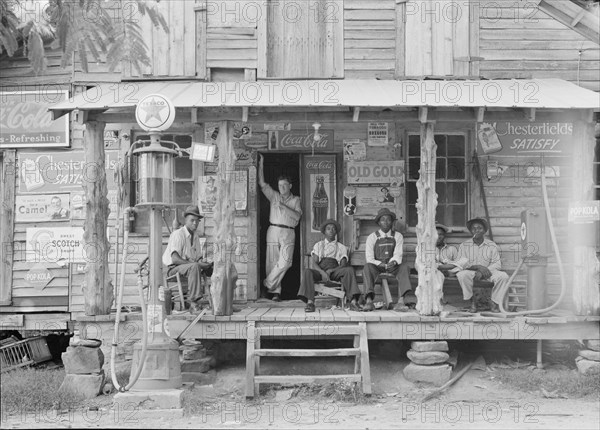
(192, 353)
(593, 344)
(148, 399)
(427, 357)
(588, 354)
(198, 378)
(437, 374)
(201, 365)
(81, 360)
(588, 367)
(86, 386)
(436, 345)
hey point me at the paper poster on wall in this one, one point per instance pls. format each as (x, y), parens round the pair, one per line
(42, 207)
(78, 202)
(369, 199)
(279, 126)
(377, 134)
(208, 193)
(354, 150)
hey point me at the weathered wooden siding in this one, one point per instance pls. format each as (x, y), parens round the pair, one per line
(524, 42)
(369, 39)
(438, 38)
(17, 71)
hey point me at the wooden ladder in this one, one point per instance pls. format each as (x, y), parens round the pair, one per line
(360, 350)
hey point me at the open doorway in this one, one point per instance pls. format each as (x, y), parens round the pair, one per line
(274, 166)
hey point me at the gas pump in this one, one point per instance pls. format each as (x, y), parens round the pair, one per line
(535, 246)
(155, 363)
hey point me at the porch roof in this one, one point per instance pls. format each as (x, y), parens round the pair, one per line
(513, 93)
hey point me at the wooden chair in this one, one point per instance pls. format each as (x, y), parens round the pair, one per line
(333, 289)
(177, 293)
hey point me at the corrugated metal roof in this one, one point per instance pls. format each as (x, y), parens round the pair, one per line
(514, 93)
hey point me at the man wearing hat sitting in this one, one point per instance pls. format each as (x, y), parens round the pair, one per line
(184, 254)
(480, 258)
(384, 255)
(329, 261)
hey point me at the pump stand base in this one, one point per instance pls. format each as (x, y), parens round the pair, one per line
(150, 399)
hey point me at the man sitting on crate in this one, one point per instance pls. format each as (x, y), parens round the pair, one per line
(184, 254)
(384, 255)
(480, 258)
(329, 259)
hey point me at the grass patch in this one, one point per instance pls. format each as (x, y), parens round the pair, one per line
(31, 390)
(339, 391)
(567, 383)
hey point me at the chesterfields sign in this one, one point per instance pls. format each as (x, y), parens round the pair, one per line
(25, 121)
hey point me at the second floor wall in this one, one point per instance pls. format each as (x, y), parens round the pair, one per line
(362, 39)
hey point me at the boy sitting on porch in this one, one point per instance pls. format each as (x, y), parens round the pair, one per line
(384, 255)
(183, 255)
(329, 259)
(481, 259)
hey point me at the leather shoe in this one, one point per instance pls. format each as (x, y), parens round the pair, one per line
(310, 307)
(354, 307)
(276, 298)
(495, 308)
(195, 308)
(369, 307)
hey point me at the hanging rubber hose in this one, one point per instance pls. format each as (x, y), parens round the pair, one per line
(140, 285)
(563, 284)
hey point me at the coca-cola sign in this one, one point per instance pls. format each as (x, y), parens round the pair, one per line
(25, 121)
(319, 165)
(305, 141)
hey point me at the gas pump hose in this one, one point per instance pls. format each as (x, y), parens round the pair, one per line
(558, 259)
(113, 351)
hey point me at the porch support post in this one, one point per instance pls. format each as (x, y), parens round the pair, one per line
(97, 286)
(225, 275)
(586, 267)
(429, 290)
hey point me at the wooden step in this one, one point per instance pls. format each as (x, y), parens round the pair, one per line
(360, 352)
(298, 379)
(335, 352)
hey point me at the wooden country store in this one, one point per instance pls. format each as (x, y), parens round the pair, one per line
(476, 109)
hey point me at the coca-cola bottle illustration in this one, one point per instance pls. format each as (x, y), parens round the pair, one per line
(320, 204)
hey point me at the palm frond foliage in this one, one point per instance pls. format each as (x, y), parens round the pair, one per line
(92, 30)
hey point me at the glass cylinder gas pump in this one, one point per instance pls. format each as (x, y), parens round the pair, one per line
(155, 182)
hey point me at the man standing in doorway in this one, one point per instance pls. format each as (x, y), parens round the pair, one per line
(284, 216)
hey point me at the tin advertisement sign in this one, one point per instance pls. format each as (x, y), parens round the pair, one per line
(55, 172)
(512, 138)
(375, 172)
(300, 141)
(319, 194)
(54, 245)
(25, 121)
(42, 207)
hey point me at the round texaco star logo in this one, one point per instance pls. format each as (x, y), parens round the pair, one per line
(155, 113)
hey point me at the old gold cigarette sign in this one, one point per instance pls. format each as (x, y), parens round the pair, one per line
(376, 172)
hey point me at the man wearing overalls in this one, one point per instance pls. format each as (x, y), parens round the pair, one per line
(384, 255)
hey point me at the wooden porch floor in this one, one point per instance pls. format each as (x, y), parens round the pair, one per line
(384, 324)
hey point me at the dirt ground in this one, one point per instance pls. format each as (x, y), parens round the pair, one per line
(477, 400)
